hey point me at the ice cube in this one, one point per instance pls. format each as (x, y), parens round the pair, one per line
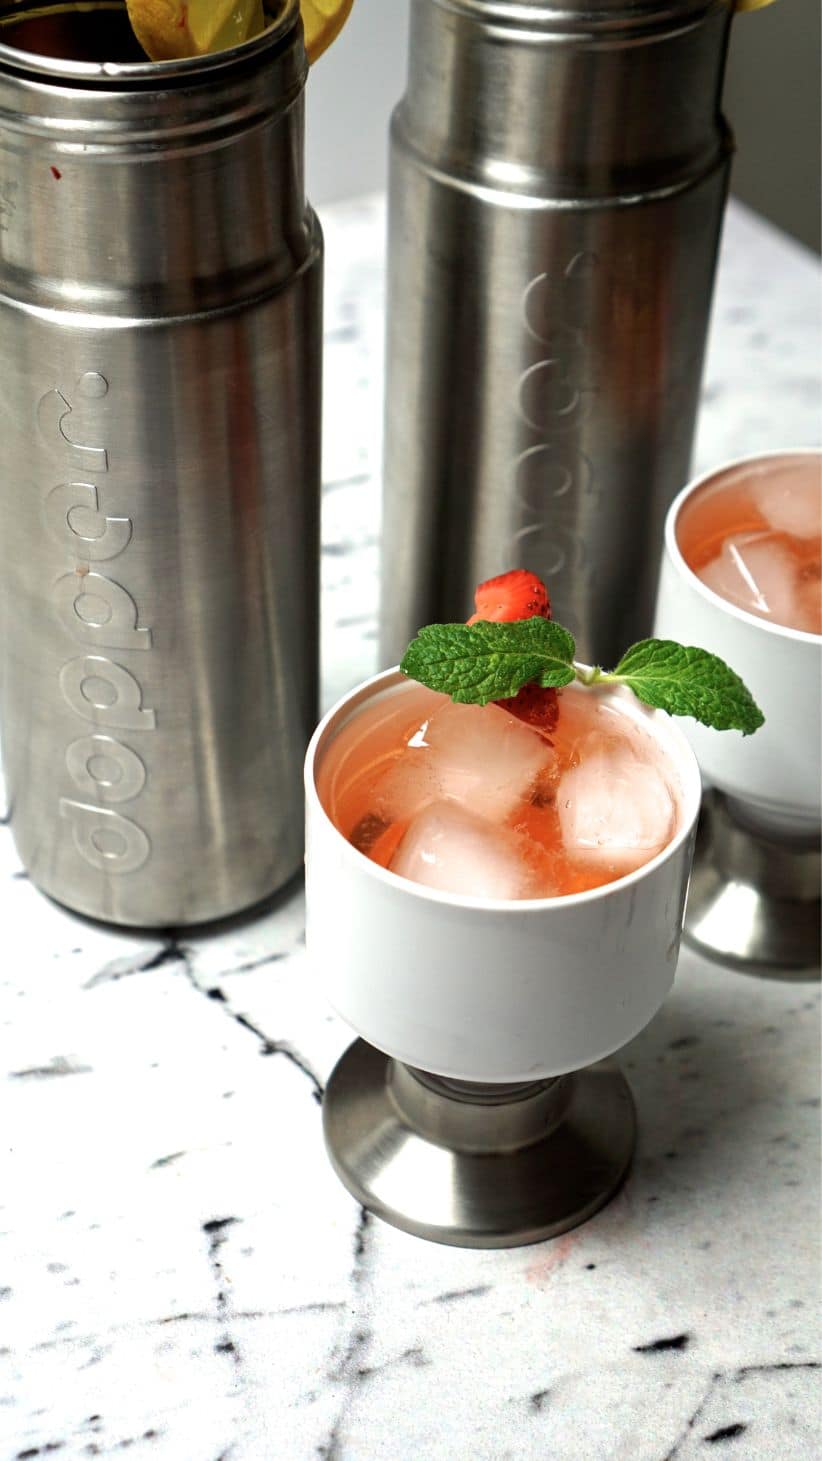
(614, 807)
(449, 848)
(757, 572)
(477, 755)
(790, 499)
(409, 784)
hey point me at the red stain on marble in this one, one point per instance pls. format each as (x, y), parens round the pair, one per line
(542, 1269)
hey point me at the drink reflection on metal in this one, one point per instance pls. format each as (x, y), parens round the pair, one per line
(558, 176)
(160, 331)
(754, 897)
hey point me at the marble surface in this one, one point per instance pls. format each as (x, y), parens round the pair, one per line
(182, 1277)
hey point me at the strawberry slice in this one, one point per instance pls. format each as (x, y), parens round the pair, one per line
(515, 595)
(537, 707)
(520, 595)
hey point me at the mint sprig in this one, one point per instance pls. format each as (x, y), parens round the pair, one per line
(685, 680)
(475, 663)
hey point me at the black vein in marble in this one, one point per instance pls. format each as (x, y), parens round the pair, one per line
(202, 1316)
(170, 952)
(254, 964)
(216, 1230)
(451, 1295)
(187, 1316)
(415, 1356)
(59, 1065)
(167, 1161)
(283, 1047)
(693, 1418)
(769, 1369)
(731, 1431)
(269, 1045)
(319, 1306)
(93, 1449)
(349, 1370)
(658, 1346)
(726, 1433)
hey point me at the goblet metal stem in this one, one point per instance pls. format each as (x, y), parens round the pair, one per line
(472, 1164)
(754, 900)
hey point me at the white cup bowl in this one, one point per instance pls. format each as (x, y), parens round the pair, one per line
(774, 776)
(495, 991)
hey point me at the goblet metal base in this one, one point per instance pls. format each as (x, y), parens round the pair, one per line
(477, 1166)
(754, 901)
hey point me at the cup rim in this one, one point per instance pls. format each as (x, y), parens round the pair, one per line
(781, 631)
(364, 691)
(188, 68)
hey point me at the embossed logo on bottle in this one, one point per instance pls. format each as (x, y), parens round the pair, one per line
(554, 398)
(8, 204)
(101, 615)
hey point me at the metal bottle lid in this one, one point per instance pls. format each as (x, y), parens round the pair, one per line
(283, 15)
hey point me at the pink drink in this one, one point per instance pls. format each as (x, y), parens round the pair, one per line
(469, 800)
(754, 536)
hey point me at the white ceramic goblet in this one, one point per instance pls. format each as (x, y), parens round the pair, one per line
(483, 1110)
(754, 899)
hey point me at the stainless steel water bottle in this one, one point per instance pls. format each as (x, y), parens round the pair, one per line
(558, 176)
(160, 341)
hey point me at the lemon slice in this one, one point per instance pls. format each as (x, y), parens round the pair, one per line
(322, 22)
(170, 29)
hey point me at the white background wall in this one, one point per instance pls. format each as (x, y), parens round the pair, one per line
(351, 93)
(772, 99)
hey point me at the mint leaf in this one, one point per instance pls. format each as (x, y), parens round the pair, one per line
(475, 663)
(685, 680)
